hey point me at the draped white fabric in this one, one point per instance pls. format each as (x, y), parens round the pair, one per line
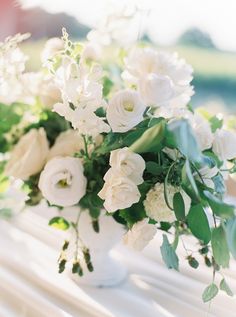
(30, 285)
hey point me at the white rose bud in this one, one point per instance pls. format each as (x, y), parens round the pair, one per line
(140, 235)
(118, 192)
(128, 163)
(62, 181)
(125, 110)
(66, 144)
(224, 144)
(156, 90)
(29, 155)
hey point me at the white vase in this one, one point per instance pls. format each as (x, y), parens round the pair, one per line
(108, 270)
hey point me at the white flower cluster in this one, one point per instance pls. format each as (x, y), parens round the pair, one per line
(12, 66)
(161, 78)
(155, 203)
(81, 92)
(120, 189)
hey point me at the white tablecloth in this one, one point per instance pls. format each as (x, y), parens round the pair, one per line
(30, 285)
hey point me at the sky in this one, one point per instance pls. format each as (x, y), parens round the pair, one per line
(164, 20)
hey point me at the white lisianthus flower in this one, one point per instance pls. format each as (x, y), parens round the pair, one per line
(62, 181)
(144, 63)
(125, 110)
(202, 130)
(29, 155)
(119, 192)
(66, 144)
(224, 144)
(140, 235)
(52, 47)
(156, 89)
(128, 163)
(155, 204)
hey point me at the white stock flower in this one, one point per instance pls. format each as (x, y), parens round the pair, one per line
(141, 66)
(86, 122)
(51, 48)
(119, 192)
(128, 163)
(29, 155)
(224, 144)
(140, 235)
(49, 93)
(62, 181)
(155, 204)
(125, 110)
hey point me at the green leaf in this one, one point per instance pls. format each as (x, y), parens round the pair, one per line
(230, 229)
(220, 247)
(198, 223)
(151, 139)
(107, 85)
(185, 140)
(219, 183)
(188, 179)
(59, 223)
(193, 262)
(219, 208)
(215, 123)
(179, 208)
(153, 168)
(210, 292)
(169, 255)
(225, 287)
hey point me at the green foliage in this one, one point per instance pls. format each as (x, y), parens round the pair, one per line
(210, 292)
(198, 223)
(230, 229)
(219, 208)
(52, 123)
(59, 223)
(150, 140)
(169, 255)
(107, 86)
(215, 123)
(225, 287)
(10, 116)
(181, 134)
(179, 208)
(220, 247)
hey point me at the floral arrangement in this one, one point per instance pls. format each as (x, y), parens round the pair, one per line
(119, 134)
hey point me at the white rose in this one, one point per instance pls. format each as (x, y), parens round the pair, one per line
(66, 144)
(29, 155)
(140, 235)
(156, 90)
(125, 110)
(118, 192)
(128, 163)
(224, 144)
(202, 130)
(52, 47)
(155, 204)
(62, 181)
